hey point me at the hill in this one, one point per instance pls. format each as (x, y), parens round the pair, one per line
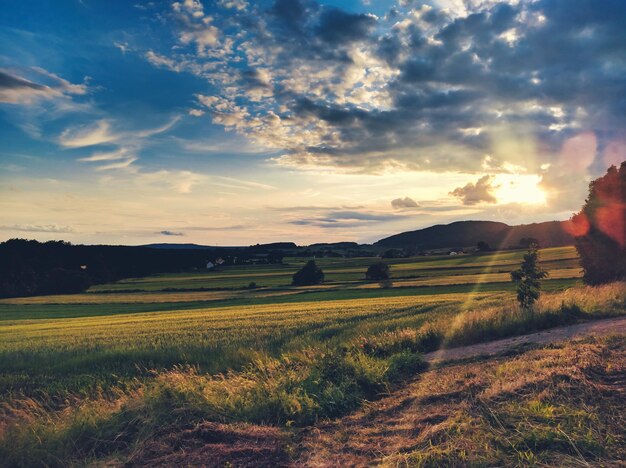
(178, 246)
(469, 233)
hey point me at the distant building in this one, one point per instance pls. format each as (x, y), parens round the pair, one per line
(454, 253)
(210, 266)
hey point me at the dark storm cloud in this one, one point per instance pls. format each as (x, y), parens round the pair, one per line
(336, 26)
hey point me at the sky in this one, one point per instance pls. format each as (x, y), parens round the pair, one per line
(235, 122)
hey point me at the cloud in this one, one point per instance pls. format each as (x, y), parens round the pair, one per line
(101, 132)
(122, 46)
(404, 203)
(337, 26)
(181, 182)
(216, 146)
(95, 134)
(239, 183)
(16, 89)
(162, 61)
(120, 153)
(336, 219)
(171, 233)
(422, 88)
(51, 228)
(472, 194)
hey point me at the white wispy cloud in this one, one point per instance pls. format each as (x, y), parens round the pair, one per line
(95, 134)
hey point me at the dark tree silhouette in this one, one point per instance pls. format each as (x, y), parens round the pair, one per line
(600, 229)
(528, 278)
(309, 275)
(482, 246)
(378, 272)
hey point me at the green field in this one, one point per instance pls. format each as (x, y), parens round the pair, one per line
(82, 342)
(271, 342)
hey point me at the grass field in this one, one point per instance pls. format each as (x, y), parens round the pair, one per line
(76, 369)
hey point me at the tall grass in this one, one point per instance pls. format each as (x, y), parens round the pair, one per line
(296, 386)
(508, 319)
(297, 389)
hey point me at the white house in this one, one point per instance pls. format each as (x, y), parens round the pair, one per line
(454, 253)
(210, 266)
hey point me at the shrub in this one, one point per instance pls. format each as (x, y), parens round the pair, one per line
(378, 272)
(309, 275)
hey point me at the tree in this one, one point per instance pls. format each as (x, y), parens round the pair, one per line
(528, 278)
(378, 272)
(482, 246)
(599, 229)
(309, 275)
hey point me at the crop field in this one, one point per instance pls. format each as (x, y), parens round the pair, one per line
(258, 353)
(117, 332)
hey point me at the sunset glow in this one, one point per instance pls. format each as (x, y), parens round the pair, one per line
(523, 189)
(241, 122)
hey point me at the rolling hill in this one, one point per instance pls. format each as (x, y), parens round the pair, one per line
(469, 233)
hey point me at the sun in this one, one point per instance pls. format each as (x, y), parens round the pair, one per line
(519, 188)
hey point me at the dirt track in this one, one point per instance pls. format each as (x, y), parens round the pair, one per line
(426, 411)
(552, 335)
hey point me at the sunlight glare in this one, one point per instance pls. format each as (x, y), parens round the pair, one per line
(519, 188)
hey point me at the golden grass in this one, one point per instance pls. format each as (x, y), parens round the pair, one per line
(558, 406)
(484, 323)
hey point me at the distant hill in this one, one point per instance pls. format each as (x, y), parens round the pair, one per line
(469, 233)
(179, 246)
(334, 245)
(275, 245)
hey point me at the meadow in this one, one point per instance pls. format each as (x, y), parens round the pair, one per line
(104, 369)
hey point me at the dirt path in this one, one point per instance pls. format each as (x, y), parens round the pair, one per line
(442, 412)
(552, 335)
